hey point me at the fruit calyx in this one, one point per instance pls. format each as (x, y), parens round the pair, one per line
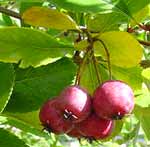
(68, 115)
(117, 116)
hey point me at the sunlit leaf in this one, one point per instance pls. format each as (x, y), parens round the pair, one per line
(106, 22)
(84, 6)
(7, 139)
(30, 47)
(25, 132)
(140, 16)
(131, 75)
(143, 114)
(143, 98)
(146, 73)
(82, 45)
(124, 50)
(50, 18)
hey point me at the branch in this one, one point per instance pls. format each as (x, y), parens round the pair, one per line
(144, 27)
(145, 63)
(10, 12)
(147, 43)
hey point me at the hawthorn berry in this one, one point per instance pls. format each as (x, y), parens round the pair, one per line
(52, 118)
(113, 99)
(75, 103)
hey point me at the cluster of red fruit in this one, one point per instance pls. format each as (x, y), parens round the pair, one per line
(77, 114)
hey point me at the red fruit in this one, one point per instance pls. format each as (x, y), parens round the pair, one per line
(75, 133)
(113, 99)
(75, 103)
(52, 118)
(96, 128)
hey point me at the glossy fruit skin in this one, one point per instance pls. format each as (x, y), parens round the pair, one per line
(96, 128)
(75, 133)
(52, 118)
(113, 99)
(75, 103)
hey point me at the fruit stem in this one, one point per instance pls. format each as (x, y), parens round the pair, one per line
(77, 80)
(80, 69)
(147, 43)
(144, 27)
(10, 12)
(99, 78)
(108, 58)
(84, 60)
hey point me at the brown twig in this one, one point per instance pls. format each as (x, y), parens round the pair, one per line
(145, 63)
(144, 27)
(147, 43)
(10, 12)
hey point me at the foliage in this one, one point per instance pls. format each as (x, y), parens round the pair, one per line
(46, 45)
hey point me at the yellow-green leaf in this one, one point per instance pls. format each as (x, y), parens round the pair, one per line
(146, 73)
(143, 114)
(140, 15)
(124, 50)
(82, 45)
(50, 18)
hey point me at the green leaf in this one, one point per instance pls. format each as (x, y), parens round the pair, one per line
(31, 118)
(132, 133)
(50, 18)
(143, 100)
(146, 77)
(26, 133)
(89, 77)
(84, 6)
(7, 82)
(30, 47)
(7, 139)
(106, 22)
(132, 76)
(143, 114)
(146, 73)
(35, 85)
(124, 50)
(131, 6)
(7, 20)
(140, 16)
(126, 7)
(145, 123)
(82, 45)
(24, 5)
